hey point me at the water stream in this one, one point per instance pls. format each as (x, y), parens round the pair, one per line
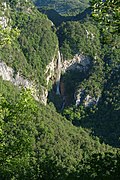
(58, 73)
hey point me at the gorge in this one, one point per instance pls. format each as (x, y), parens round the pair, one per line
(59, 90)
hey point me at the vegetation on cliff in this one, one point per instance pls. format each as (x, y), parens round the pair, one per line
(64, 7)
(34, 47)
(36, 141)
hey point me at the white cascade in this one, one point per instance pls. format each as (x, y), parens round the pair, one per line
(58, 73)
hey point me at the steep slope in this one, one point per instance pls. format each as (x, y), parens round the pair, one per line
(92, 95)
(30, 43)
(37, 142)
(64, 7)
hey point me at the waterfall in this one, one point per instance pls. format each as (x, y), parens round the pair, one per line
(58, 73)
(63, 104)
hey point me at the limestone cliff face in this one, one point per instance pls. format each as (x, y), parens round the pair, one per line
(8, 74)
(90, 101)
(43, 96)
(50, 71)
(40, 94)
(53, 74)
(53, 71)
(85, 99)
(79, 62)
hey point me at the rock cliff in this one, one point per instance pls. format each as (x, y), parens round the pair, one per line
(81, 97)
(8, 74)
(79, 62)
(52, 73)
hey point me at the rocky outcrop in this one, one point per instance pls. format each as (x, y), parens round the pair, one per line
(79, 97)
(79, 62)
(53, 72)
(43, 95)
(3, 22)
(85, 99)
(90, 101)
(50, 71)
(8, 74)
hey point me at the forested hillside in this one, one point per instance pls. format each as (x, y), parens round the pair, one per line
(59, 91)
(97, 93)
(35, 45)
(66, 7)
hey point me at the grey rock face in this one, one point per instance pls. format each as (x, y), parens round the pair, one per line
(90, 101)
(8, 74)
(79, 62)
(53, 71)
(50, 70)
(85, 99)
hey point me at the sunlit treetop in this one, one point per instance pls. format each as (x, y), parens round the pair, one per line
(107, 12)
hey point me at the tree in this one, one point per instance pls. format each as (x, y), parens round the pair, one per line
(17, 132)
(7, 34)
(107, 12)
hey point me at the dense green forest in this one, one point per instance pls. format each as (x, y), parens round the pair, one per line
(66, 7)
(47, 142)
(34, 47)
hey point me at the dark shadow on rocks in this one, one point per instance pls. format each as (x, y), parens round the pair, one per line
(68, 84)
(56, 99)
(74, 74)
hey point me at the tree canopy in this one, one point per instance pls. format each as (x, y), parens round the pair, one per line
(107, 12)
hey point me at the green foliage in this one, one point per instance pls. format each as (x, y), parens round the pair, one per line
(8, 90)
(104, 118)
(64, 7)
(38, 43)
(36, 46)
(76, 37)
(7, 36)
(99, 166)
(107, 13)
(38, 142)
(18, 131)
(102, 80)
